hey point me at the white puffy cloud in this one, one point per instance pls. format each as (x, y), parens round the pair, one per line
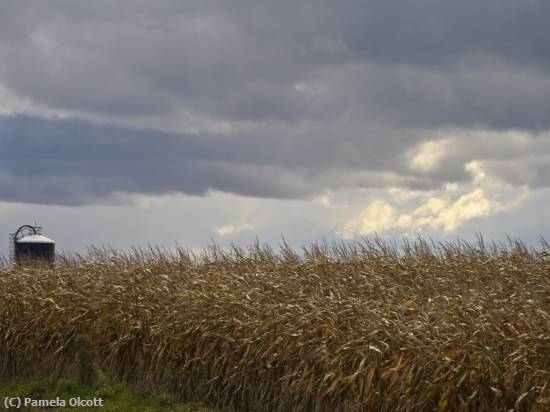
(429, 155)
(451, 217)
(228, 230)
(433, 205)
(378, 216)
(444, 210)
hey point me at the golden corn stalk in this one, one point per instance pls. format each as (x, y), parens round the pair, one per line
(345, 327)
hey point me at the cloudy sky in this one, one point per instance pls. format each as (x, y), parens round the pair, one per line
(135, 122)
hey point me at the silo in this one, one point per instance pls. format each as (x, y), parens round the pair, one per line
(30, 246)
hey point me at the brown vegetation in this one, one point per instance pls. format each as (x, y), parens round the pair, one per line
(349, 327)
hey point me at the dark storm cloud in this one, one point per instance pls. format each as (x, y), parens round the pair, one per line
(332, 94)
(242, 59)
(73, 162)
(76, 162)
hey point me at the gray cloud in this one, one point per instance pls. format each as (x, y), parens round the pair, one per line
(424, 62)
(76, 162)
(318, 95)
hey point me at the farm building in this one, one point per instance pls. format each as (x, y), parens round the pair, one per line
(28, 245)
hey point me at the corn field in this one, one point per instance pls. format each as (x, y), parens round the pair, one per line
(362, 326)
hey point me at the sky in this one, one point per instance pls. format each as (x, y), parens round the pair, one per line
(134, 122)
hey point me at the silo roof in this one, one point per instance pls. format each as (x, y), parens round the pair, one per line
(35, 239)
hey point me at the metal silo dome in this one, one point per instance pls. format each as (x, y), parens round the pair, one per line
(35, 239)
